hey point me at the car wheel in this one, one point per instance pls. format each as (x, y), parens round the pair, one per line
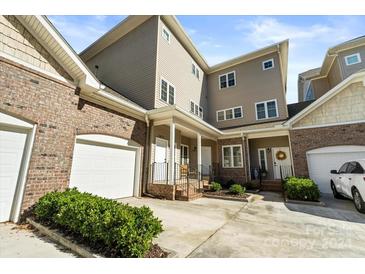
(358, 201)
(334, 191)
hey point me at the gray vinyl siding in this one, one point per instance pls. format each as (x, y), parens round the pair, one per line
(348, 70)
(174, 64)
(129, 65)
(253, 84)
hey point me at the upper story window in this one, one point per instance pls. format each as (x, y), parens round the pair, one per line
(227, 80)
(268, 64)
(195, 70)
(196, 109)
(167, 92)
(352, 59)
(229, 114)
(266, 109)
(232, 156)
(166, 34)
(309, 95)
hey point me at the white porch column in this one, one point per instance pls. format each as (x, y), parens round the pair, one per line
(172, 153)
(199, 153)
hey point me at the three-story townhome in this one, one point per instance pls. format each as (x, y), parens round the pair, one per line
(209, 113)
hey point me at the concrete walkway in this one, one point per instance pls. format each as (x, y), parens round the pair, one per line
(265, 228)
(18, 242)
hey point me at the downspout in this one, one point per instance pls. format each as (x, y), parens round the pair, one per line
(244, 155)
(146, 157)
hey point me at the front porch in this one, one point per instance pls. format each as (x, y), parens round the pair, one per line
(193, 158)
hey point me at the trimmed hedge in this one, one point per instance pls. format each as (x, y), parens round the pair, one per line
(301, 189)
(237, 189)
(119, 229)
(216, 186)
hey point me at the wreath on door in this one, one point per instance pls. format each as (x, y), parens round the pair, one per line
(280, 155)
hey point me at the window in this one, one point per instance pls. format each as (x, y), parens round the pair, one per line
(220, 115)
(354, 168)
(195, 70)
(227, 80)
(343, 168)
(166, 34)
(353, 59)
(167, 93)
(196, 109)
(309, 94)
(232, 156)
(262, 158)
(267, 109)
(229, 114)
(268, 64)
(237, 112)
(184, 156)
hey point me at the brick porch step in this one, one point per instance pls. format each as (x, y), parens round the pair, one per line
(271, 185)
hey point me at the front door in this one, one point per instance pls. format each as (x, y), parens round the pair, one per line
(206, 160)
(281, 159)
(160, 165)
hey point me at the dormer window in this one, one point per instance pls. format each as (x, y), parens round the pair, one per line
(353, 59)
(227, 80)
(166, 34)
(268, 64)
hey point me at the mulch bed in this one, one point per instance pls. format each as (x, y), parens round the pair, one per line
(224, 193)
(156, 252)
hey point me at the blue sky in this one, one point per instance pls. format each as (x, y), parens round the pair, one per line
(219, 38)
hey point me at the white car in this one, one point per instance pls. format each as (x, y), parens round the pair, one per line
(349, 181)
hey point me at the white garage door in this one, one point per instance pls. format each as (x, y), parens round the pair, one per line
(11, 152)
(104, 170)
(321, 161)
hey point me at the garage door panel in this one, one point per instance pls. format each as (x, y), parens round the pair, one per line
(320, 164)
(11, 152)
(103, 170)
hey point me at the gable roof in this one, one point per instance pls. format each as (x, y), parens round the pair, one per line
(330, 56)
(133, 21)
(356, 77)
(47, 35)
(294, 109)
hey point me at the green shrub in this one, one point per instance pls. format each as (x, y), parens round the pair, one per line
(301, 189)
(237, 189)
(216, 186)
(120, 229)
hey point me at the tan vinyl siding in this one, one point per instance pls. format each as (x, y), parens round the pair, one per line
(129, 65)
(174, 64)
(334, 75)
(300, 90)
(253, 84)
(320, 86)
(18, 43)
(348, 70)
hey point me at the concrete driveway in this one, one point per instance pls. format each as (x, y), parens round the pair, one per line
(19, 242)
(266, 228)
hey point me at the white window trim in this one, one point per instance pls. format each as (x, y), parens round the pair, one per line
(168, 93)
(231, 146)
(266, 112)
(182, 145)
(352, 55)
(224, 113)
(265, 159)
(195, 104)
(263, 64)
(196, 69)
(164, 28)
(226, 74)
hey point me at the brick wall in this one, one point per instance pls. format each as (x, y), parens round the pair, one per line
(303, 140)
(164, 191)
(60, 115)
(237, 174)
